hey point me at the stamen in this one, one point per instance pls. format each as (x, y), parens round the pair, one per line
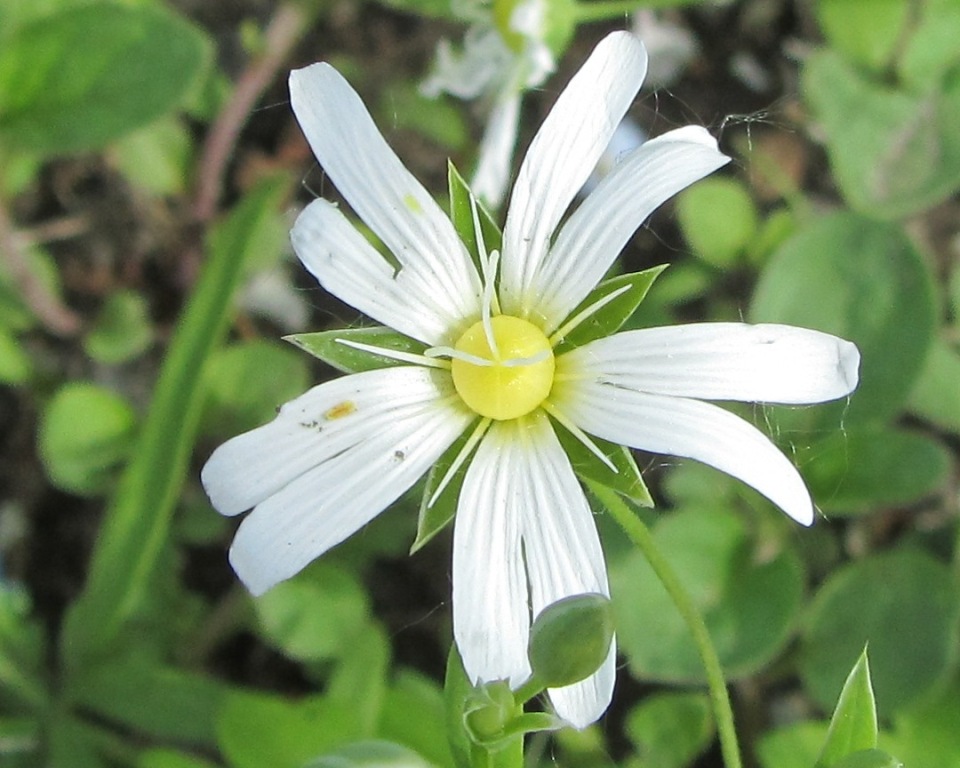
(517, 362)
(456, 354)
(479, 431)
(577, 319)
(578, 433)
(395, 354)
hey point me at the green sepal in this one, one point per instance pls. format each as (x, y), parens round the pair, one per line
(610, 318)
(461, 215)
(626, 481)
(869, 758)
(853, 727)
(456, 688)
(433, 519)
(325, 345)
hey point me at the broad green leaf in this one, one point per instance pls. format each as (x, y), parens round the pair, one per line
(936, 395)
(853, 726)
(15, 365)
(157, 157)
(327, 346)
(865, 31)
(461, 214)
(749, 601)
(864, 281)
(78, 79)
(404, 107)
(931, 52)
(874, 601)
(626, 481)
(718, 219)
(669, 730)
(609, 318)
(860, 469)
(22, 652)
(457, 687)
(247, 381)
(73, 743)
(371, 754)
(21, 741)
(893, 153)
(869, 758)
(433, 518)
(168, 758)
(413, 714)
(122, 330)
(314, 616)
(359, 681)
(181, 706)
(926, 734)
(137, 522)
(792, 746)
(86, 432)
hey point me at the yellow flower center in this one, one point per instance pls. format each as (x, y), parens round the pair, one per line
(510, 380)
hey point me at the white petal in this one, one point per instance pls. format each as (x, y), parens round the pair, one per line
(562, 552)
(490, 179)
(352, 269)
(723, 361)
(342, 491)
(681, 427)
(561, 157)
(380, 189)
(491, 618)
(597, 231)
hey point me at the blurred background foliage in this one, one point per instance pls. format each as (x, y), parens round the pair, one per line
(149, 171)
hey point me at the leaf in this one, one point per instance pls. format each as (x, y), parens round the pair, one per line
(609, 318)
(872, 601)
(869, 758)
(461, 214)
(22, 651)
(433, 518)
(853, 726)
(864, 281)
(371, 754)
(893, 152)
(936, 396)
(137, 522)
(457, 687)
(412, 715)
(15, 366)
(749, 603)
(326, 346)
(86, 432)
(718, 219)
(670, 730)
(865, 31)
(122, 330)
(626, 481)
(78, 79)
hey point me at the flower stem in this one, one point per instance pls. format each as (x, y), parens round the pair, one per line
(640, 535)
(599, 10)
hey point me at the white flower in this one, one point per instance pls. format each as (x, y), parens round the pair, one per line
(524, 535)
(500, 59)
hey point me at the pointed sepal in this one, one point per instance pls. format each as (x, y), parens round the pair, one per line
(329, 347)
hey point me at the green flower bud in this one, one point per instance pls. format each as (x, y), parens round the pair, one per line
(487, 711)
(570, 639)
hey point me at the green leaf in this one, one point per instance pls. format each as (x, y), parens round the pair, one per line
(22, 652)
(85, 434)
(570, 639)
(792, 746)
(718, 219)
(872, 601)
(371, 754)
(122, 330)
(864, 281)
(413, 715)
(168, 758)
(749, 602)
(137, 523)
(157, 157)
(15, 366)
(326, 346)
(434, 518)
(182, 706)
(670, 730)
(927, 733)
(456, 689)
(247, 381)
(893, 153)
(853, 726)
(79, 79)
(610, 318)
(865, 31)
(404, 107)
(314, 616)
(858, 470)
(626, 481)
(461, 214)
(869, 758)
(936, 396)
(930, 52)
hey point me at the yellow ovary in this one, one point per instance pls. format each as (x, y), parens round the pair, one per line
(519, 375)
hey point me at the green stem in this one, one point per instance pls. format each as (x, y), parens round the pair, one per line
(600, 10)
(640, 535)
